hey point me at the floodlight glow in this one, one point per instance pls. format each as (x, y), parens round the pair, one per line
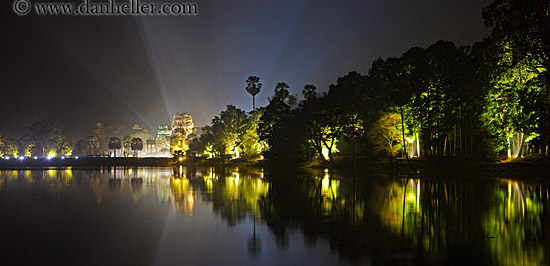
(181, 159)
(35, 157)
(7, 157)
(21, 157)
(62, 157)
(76, 157)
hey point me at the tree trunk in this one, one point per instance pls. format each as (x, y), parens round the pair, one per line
(353, 149)
(403, 136)
(454, 143)
(253, 102)
(445, 147)
(522, 142)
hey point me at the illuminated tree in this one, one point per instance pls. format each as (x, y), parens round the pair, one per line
(253, 87)
(524, 24)
(46, 135)
(178, 143)
(92, 143)
(66, 148)
(385, 134)
(250, 140)
(127, 143)
(227, 129)
(514, 97)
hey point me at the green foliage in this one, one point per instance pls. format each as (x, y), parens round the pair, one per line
(178, 143)
(386, 135)
(227, 129)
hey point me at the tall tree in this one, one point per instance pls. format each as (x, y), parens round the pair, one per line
(137, 145)
(281, 91)
(253, 87)
(526, 24)
(127, 143)
(228, 129)
(92, 143)
(114, 144)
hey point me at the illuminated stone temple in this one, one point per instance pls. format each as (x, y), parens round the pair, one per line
(183, 123)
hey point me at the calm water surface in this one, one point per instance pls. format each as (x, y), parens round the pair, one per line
(204, 216)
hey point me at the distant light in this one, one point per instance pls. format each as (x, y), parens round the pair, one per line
(35, 157)
(21, 157)
(76, 157)
(49, 157)
(62, 157)
(181, 159)
(7, 157)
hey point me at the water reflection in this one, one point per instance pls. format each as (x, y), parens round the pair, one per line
(382, 220)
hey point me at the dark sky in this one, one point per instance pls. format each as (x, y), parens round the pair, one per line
(137, 69)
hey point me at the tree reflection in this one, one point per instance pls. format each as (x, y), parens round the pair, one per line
(385, 220)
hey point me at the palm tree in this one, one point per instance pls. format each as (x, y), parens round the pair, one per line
(137, 144)
(127, 142)
(114, 144)
(253, 87)
(281, 91)
(92, 143)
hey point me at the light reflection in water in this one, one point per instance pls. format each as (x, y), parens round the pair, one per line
(389, 220)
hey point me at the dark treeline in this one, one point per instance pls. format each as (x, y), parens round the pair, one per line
(483, 100)
(487, 99)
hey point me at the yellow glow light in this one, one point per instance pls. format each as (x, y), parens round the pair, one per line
(325, 153)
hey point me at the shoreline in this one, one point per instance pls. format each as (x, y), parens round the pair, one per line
(536, 167)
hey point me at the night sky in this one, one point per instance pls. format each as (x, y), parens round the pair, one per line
(137, 69)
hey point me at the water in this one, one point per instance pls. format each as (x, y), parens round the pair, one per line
(204, 216)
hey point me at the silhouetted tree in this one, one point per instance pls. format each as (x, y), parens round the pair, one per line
(253, 87)
(114, 144)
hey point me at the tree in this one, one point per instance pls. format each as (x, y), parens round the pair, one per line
(253, 87)
(281, 91)
(250, 140)
(66, 148)
(81, 147)
(45, 135)
(178, 142)
(137, 144)
(162, 144)
(127, 143)
(227, 129)
(92, 143)
(385, 134)
(114, 144)
(525, 24)
(309, 92)
(99, 132)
